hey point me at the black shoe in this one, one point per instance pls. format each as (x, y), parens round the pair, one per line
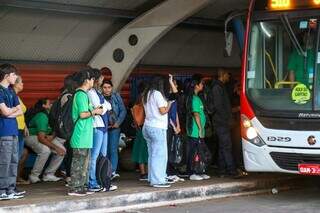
(143, 177)
(95, 189)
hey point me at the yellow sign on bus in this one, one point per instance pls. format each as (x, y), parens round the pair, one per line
(280, 4)
(292, 4)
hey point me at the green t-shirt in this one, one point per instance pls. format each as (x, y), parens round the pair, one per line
(296, 64)
(82, 136)
(197, 106)
(39, 123)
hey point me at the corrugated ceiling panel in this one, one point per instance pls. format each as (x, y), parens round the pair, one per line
(47, 36)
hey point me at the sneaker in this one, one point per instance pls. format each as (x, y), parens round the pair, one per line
(164, 185)
(34, 179)
(19, 192)
(13, 195)
(114, 175)
(195, 177)
(171, 180)
(113, 188)
(176, 178)
(77, 193)
(50, 178)
(205, 177)
(95, 189)
(88, 192)
(4, 196)
(143, 177)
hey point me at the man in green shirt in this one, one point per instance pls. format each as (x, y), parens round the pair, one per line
(43, 143)
(196, 122)
(82, 136)
(301, 68)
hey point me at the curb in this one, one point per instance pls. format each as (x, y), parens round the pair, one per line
(164, 197)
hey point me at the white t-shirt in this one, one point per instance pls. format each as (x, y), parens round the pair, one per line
(153, 117)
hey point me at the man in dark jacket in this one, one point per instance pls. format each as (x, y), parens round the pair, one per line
(220, 107)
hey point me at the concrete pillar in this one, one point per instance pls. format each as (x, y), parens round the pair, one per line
(125, 49)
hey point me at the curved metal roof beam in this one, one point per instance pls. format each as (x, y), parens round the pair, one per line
(125, 49)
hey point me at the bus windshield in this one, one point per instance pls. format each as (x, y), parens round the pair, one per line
(283, 56)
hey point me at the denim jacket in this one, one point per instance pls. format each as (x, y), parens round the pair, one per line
(118, 107)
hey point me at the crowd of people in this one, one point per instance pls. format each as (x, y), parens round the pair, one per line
(163, 114)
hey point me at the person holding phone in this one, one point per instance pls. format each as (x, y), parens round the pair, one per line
(154, 130)
(100, 129)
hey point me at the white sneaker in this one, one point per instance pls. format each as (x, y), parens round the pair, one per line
(175, 178)
(113, 188)
(114, 175)
(195, 177)
(205, 177)
(50, 178)
(34, 179)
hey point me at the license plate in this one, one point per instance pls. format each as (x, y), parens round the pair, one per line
(309, 169)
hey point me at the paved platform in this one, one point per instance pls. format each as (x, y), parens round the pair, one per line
(52, 197)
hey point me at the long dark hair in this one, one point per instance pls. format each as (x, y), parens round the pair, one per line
(158, 83)
(37, 108)
(196, 80)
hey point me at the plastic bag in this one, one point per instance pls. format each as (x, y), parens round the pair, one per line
(175, 150)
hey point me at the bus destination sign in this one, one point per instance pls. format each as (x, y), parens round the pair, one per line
(292, 4)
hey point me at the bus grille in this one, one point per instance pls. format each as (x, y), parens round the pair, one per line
(290, 161)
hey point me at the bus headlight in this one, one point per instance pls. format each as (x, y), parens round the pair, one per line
(249, 132)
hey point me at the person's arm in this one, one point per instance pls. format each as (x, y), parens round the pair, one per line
(178, 129)
(292, 76)
(42, 137)
(122, 111)
(6, 111)
(196, 116)
(166, 109)
(17, 112)
(94, 98)
(173, 87)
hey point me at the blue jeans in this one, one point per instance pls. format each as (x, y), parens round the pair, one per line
(21, 143)
(100, 145)
(113, 145)
(158, 154)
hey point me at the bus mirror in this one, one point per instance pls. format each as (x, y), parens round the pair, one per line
(228, 43)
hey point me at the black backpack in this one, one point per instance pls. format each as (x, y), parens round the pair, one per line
(63, 122)
(104, 172)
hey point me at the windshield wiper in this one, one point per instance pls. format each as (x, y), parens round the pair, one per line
(292, 36)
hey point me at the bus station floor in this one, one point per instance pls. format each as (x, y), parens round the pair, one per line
(49, 193)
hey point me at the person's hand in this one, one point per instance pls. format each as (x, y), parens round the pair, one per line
(170, 78)
(49, 137)
(60, 151)
(97, 111)
(115, 125)
(26, 132)
(201, 133)
(177, 130)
